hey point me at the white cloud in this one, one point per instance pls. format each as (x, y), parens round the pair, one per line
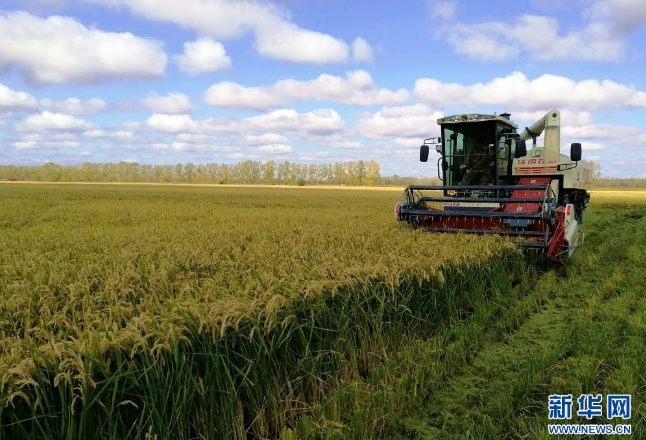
(11, 100)
(124, 135)
(232, 95)
(413, 121)
(47, 121)
(317, 122)
(31, 144)
(203, 56)
(321, 122)
(622, 134)
(172, 123)
(623, 15)
(265, 139)
(275, 35)
(24, 145)
(186, 147)
(59, 50)
(600, 35)
(173, 103)
(357, 88)
(592, 146)
(346, 145)
(69, 144)
(568, 117)
(362, 52)
(542, 93)
(314, 156)
(276, 149)
(195, 138)
(443, 10)
(95, 134)
(76, 106)
(121, 135)
(52, 136)
(611, 140)
(408, 142)
(286, 41)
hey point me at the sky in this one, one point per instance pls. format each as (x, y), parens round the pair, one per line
(312, 81)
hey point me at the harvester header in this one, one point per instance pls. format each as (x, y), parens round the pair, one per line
(493, 185)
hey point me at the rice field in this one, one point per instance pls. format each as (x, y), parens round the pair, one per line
(172, 312)
(619, 198)
(181, 312)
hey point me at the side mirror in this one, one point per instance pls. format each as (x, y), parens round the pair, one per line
(438, 148)
(423, 153)
(575, 152)
(521, 148)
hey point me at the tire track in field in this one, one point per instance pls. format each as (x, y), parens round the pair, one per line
(579, 342)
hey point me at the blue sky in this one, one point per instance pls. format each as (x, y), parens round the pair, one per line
(163, 82)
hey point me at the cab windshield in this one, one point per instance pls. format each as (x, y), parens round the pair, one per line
(469, 153)
(478, 153)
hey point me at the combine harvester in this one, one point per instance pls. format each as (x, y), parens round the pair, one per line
(493, 185)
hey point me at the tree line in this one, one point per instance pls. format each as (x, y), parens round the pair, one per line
(610, 182)
(361, 173)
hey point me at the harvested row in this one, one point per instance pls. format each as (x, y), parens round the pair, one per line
(213, 312)
(579, 329)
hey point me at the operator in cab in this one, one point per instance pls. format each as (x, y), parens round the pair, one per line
(478, 166)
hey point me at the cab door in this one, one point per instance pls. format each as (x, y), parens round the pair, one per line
(454, 155)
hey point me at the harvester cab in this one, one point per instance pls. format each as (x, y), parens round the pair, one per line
(492, 184)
